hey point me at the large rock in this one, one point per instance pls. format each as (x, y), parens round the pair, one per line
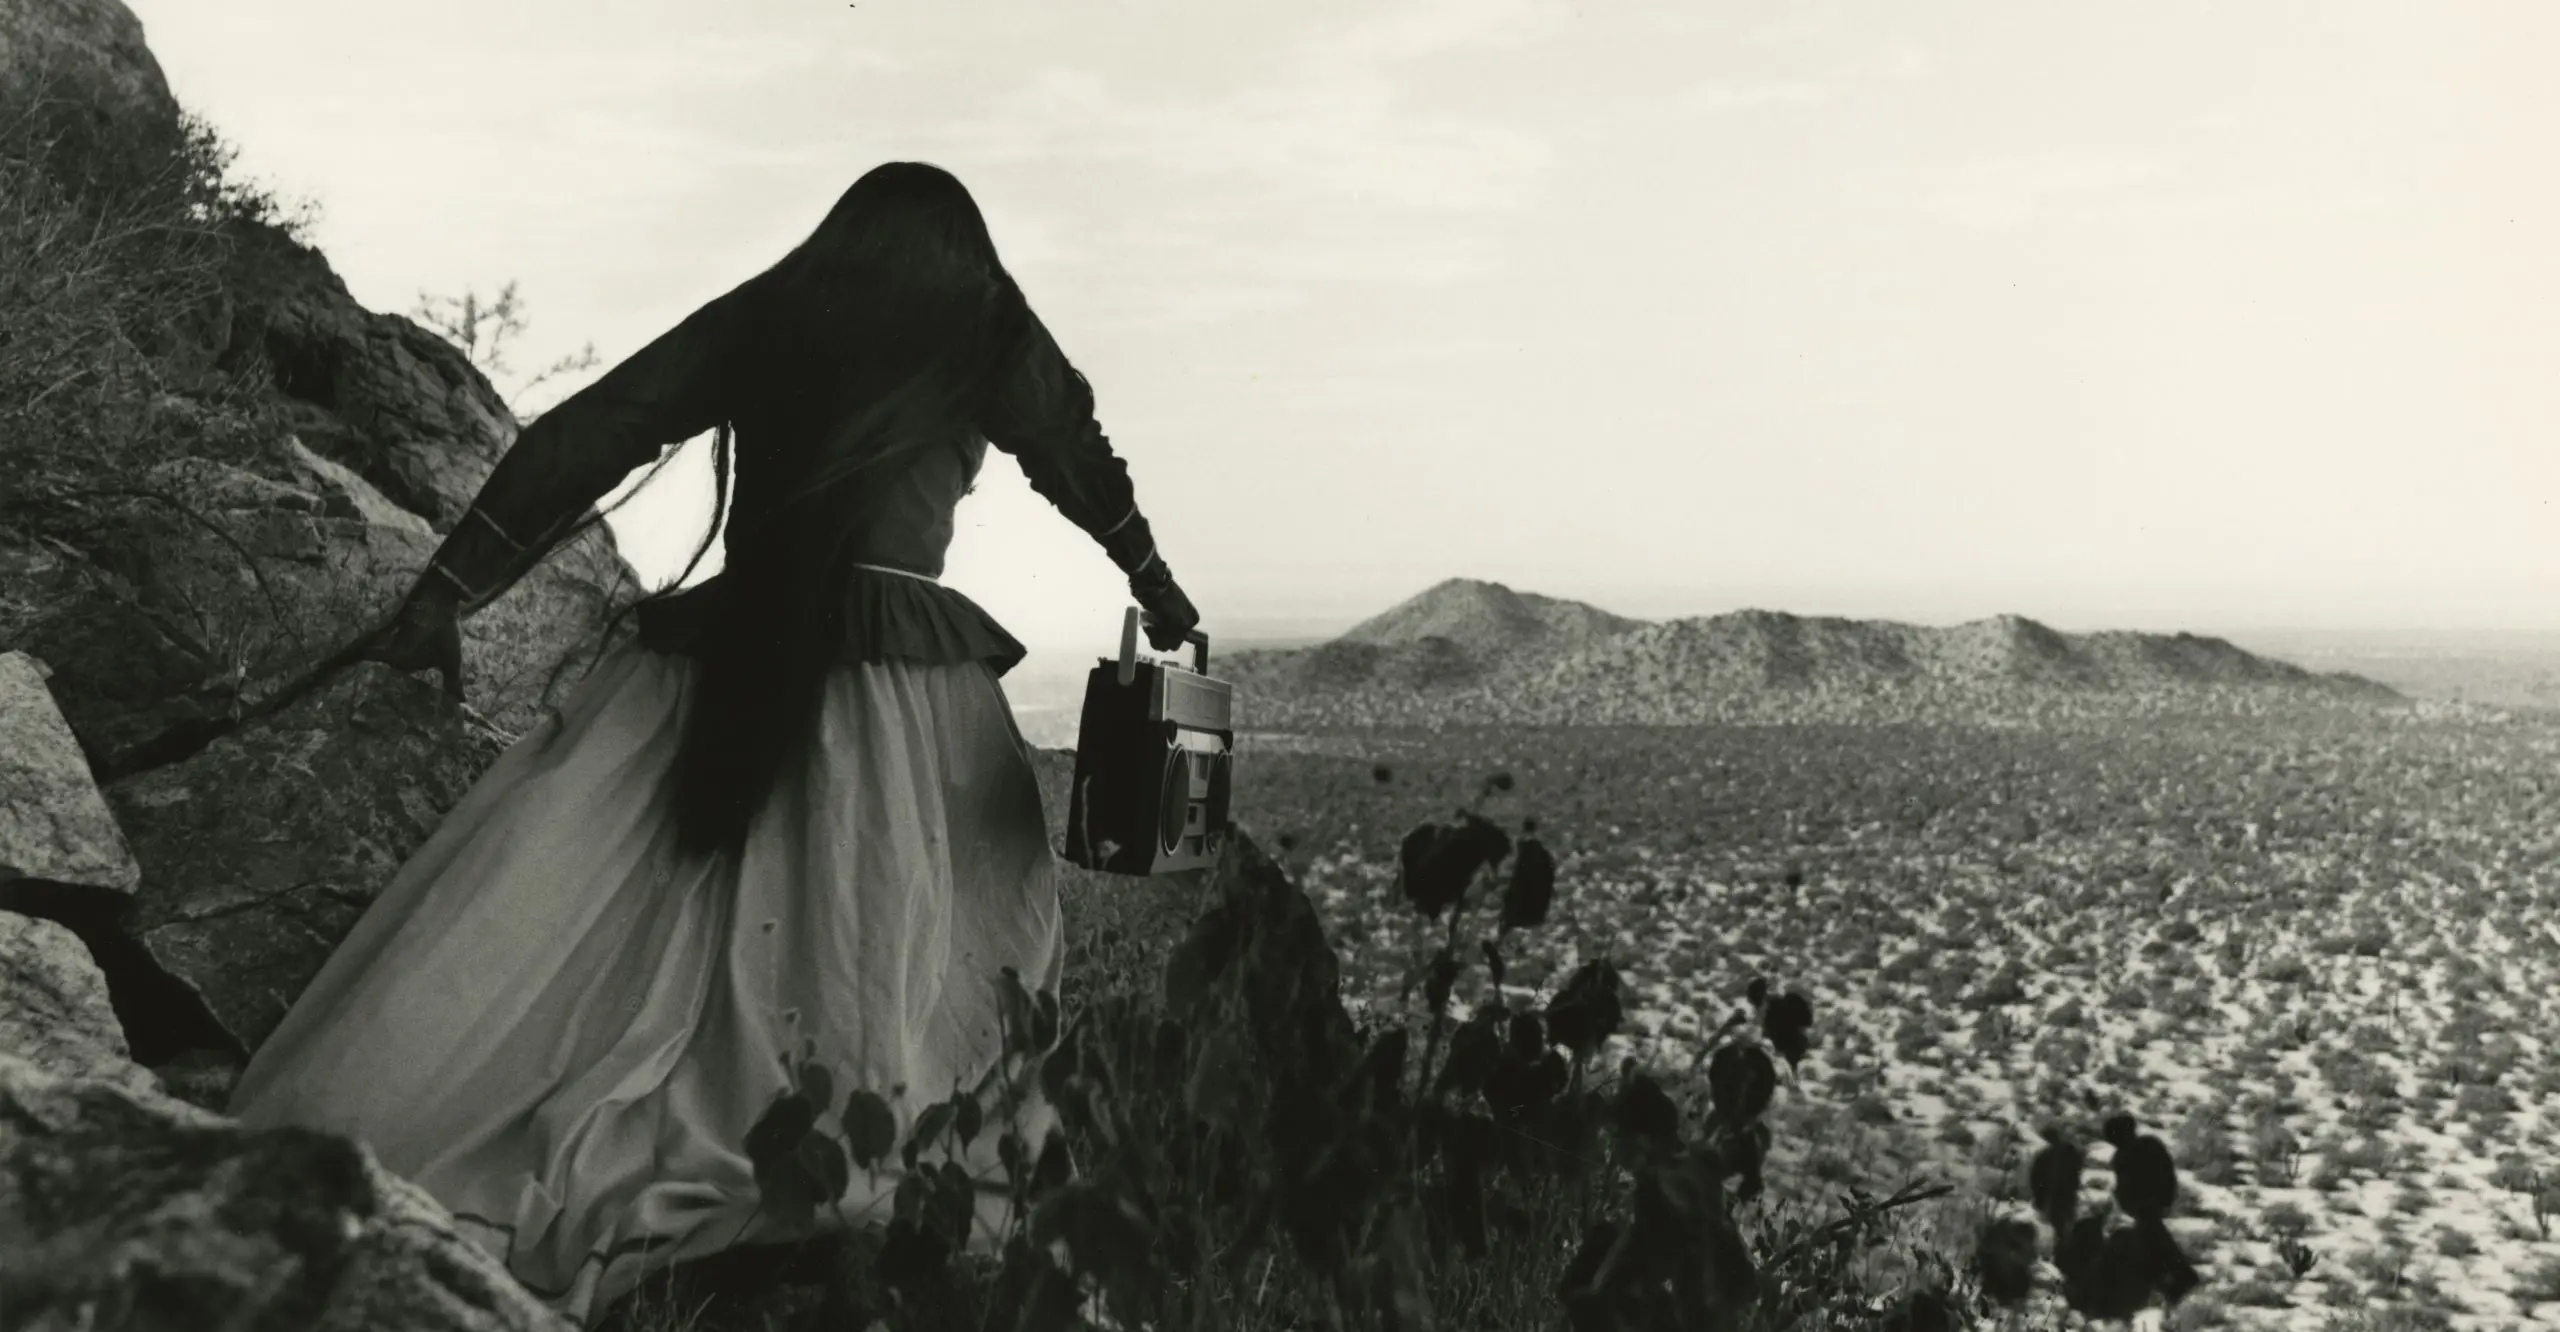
(1259, 942)
(91, 49)
(121, 1209)
(54, 826)
(260, 852)
(218, 581)
(54, 1010)
(390, 399)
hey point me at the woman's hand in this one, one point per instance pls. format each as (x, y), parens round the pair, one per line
(424, 634)
(1170, 616)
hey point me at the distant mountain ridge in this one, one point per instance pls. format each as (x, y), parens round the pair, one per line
(1488, 618)
(1469, 651)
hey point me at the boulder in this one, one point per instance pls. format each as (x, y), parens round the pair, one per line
(54, 1010)
(1259, 942)
(123, 1208)
(214, 582)
(260, 852)
(92, 50)
(54, 826)
(389, 399)
(347, 495)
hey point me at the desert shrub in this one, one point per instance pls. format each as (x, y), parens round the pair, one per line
(2285, 971)
(2515, 1173)
(2482, 1100)
(2286, 1221)
(2370, 1114)
(2361, 1156)
(2062, 1049)
(2004, 987)
(2394, 1318)
(2384, 1267)
(2204, 1149)
(2186, 1003)
(2275, 1150)
(2258, 1293)
(2537, 1284)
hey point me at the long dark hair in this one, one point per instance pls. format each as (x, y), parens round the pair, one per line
(881, 335)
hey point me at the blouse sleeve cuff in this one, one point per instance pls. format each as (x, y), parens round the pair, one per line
(1130, 544)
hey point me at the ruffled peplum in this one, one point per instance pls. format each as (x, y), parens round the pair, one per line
(890, 613)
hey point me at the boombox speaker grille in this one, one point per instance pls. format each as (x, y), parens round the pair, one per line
(1174, 818)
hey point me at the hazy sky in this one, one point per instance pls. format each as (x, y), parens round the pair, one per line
(2170, 315)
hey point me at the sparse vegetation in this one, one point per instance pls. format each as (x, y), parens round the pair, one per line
(486, 329)
(1776, 851)
(113, 236)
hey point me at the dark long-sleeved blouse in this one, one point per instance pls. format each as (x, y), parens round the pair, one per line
(899, 523)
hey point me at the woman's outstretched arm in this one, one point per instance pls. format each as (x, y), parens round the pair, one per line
(665, 393)
(1043, 416)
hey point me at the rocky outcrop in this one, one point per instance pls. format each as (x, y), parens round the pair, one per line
(205, 583)
(274, 478)
(54, 1009)
(91, 50)
(260, 852)
(392, 401)
(123, 1208)
(262, 470)
(54, 827)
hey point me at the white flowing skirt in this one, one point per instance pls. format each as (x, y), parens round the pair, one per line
(563, 1031)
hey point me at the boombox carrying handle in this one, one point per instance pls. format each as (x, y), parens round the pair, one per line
(1129, 647)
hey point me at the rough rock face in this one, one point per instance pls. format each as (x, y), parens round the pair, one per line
(280, 494)
(159, 612)
(126, 1209)
(259, 853)
(393, 401)
(95, 46)
(282, 491)
(54, 1011)
(54, 826)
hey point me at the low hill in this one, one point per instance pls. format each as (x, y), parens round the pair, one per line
(1454, 634)
(1480, 653)
(1488, 619)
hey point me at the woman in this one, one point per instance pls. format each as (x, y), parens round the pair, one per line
(795, 808)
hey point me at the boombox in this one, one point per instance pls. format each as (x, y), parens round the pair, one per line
(1155, 756)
